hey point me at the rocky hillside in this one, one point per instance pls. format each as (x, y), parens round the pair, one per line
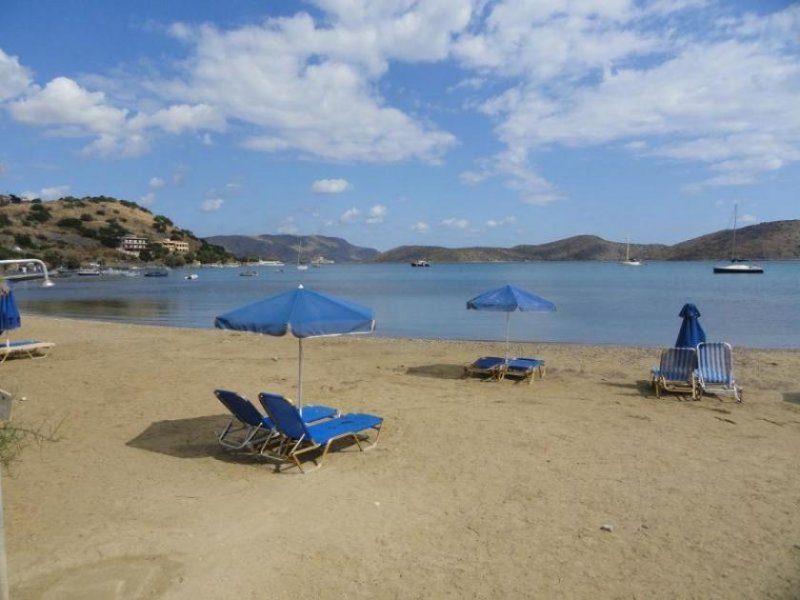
(286, 247)
(74, 231)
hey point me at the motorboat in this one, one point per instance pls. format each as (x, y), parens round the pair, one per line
(249, 273)
(421, 263)
(156, 273)
(191, 276)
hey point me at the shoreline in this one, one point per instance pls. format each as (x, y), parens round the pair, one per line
(475, 490)
(376, 335)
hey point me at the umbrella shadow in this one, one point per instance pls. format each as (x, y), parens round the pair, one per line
(182, 438)
(437, 371)
(642, 386)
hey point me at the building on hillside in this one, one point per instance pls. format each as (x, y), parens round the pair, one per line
(133, 243)
(175, 245)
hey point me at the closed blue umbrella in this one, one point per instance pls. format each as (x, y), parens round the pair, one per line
(9, 313)
(509, 299)
(305, 314)
(691, 333)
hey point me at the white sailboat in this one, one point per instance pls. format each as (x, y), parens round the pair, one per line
(300, 266)
(630, 262)
(737, 265)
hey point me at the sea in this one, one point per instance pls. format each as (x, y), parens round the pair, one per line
(597, 302)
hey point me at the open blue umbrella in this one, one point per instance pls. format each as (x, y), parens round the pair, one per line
(302, 312)
(9, 313)
(691, 332)
(509, 299)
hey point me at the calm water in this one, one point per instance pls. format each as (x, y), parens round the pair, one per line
(597, 302)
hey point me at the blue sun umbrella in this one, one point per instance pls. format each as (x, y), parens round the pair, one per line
(509, 299)
(691, 333)
(305, 314)
(9, 313)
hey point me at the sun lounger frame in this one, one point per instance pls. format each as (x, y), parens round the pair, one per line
(714, 371)
(298, 436)
(31, 348)
(675, 372)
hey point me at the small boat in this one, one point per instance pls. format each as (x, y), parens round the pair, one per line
(421, 263)
(300, 265)
(249, 273)
(156, 273)
(89, 273)
(191, 276)
(737, 266)
(630, 262)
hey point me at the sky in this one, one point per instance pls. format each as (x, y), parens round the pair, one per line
(433, 122)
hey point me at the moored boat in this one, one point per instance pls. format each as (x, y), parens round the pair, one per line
(737, 266)
(421, 263)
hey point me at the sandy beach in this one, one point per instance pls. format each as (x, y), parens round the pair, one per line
(476, 489)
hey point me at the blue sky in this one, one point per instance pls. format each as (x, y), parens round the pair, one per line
(447, 122)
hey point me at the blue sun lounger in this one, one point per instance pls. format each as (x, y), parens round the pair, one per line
(675, 371)
(714, 373)
(304, 437)
(249, 429)
(488, 367)
(524, 368)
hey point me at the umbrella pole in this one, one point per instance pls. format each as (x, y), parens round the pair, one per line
(508, 324)
(300, 377)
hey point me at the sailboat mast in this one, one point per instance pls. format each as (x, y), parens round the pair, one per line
(733, 242)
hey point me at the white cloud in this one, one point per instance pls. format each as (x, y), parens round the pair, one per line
(179, 118)
(501, 222)
(207, 140)
(421, 227)
(453, 223)
(3, 169)
(311, 87)
(746, 218)
(64, 103)
(156, 183)
(330, 186)
(14, 78)
(54, 193)
(212, 204)
(727, 100)
(350, 215)
(377, 214)
(148, 199)
(287, 227)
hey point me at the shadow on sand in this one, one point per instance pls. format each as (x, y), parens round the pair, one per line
(182, 438)
(793, 397)
(439, 371)
(643, 387)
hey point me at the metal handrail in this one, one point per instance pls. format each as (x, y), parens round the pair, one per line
(35, 275)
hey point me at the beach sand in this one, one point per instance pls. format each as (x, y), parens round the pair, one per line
(476, 489)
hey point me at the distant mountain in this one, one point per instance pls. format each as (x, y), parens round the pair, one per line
(285, 247)
(777, 240)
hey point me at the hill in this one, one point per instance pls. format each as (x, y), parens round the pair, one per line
(285, 247)
(777, 240)
(73, 231)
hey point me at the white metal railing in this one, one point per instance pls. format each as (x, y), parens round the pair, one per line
(27, 261)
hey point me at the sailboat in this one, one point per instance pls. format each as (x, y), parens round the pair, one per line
(300, 266)
(737, 266)
(630, 262)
